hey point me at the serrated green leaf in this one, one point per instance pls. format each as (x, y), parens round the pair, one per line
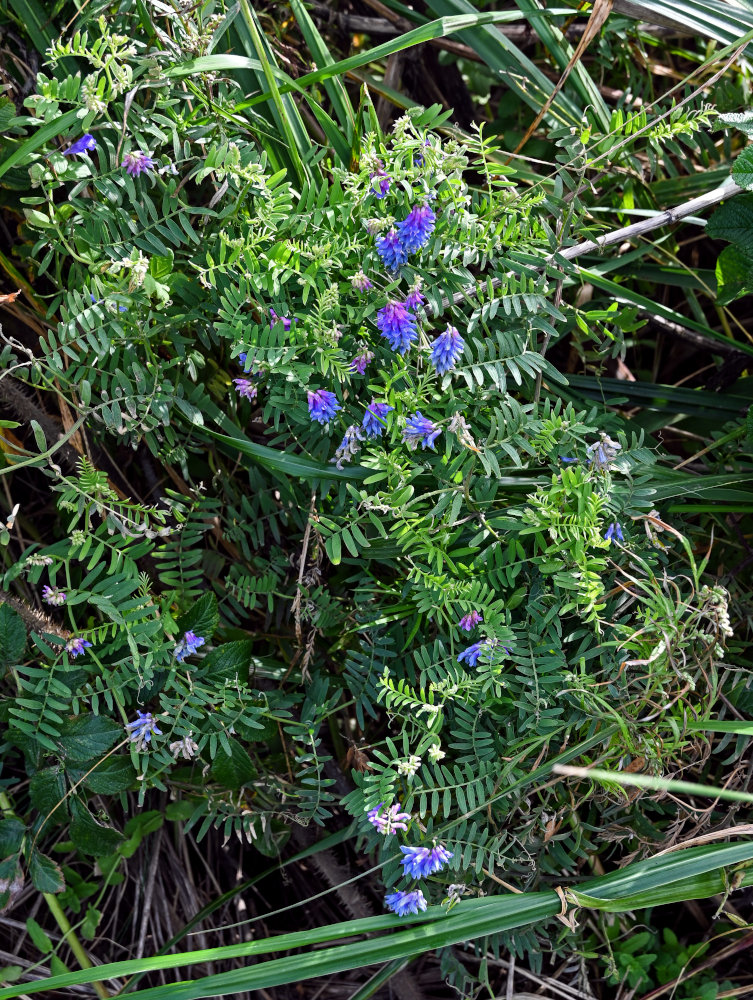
(89, 836)
(228, 661)
(12, 636)
(235, 770)
(88, 737)
(46, 875)
(202, 619)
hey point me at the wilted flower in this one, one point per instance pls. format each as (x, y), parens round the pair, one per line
(602, 453)
(323, 405)
(54, 596)
(470, 621)
(142, 728)
(391, 250)
(188, 646)
(83, 145)
(349, 446)
(245, 387)
(76, 646)
(397, 325)
(459, 425)
(390, 821)
(409, 766)
(416, 228)
(136, 163)
(403, 903)
(614, 531)
(420, 862)
(359, 362)
(360, 282)
(373, 418)
(420, 430)
(446, 350)
(185, 748)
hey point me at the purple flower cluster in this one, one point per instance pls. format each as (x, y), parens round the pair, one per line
(446, 350)
(86, 143)
(398, 326)
(419, 430)
(54, 596)
(403, 903)
(416, 228)
(188, 646)
(143, 727)
(136, 163)
(360, 361)
(373, 418)
(246, 388)
(614, 531)
(470, 621)
(380, 183)
(323, 405)
(76, 646)
(392, 250)
(390, 821)
(420, 862)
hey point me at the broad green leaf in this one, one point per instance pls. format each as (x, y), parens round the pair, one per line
(47, 792)
(228, 661)
(46, 875)
(89, 836)
(733, 221)
(742, 168)
(12, 636)
(734, 274)
(88, 737)
(235, 770)
(202, 618)
(38, 936)
(12, 832)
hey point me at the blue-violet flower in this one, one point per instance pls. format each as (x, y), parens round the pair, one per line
(470, 621)
(349, 446)
(323, 405)
(373, 418)
(142, 728)
(76, 646)
(403, 903)
(380, 183)
(472, 653)
(614, 531)
(136, 163)
(397, 325)
(420, 431)
(420, 862)
(415, 297)
(82, 145)
(188, 646)
(446, 350)
(287, 323)
(391, 250)
(416, 228)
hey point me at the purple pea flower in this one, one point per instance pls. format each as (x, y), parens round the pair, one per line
(470, 621)
(414, 298)
(245, 387)
(614, 531)
(142, 728)
(380, 183)
(403, 903)
(420, 862)
(390, 821)
(420, 430)
(472, 653)
(137, 162)
(323, 405)
(360, 282)
(373, 418)
(446, 350)
(360, 361)
(76, 646)
(83, 145)
(416, 228)
(391, 250)
(188, 645)
(53, 596)
(287, 323)
(398, 326)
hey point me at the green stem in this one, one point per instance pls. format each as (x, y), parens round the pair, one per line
(74, 944)
(274, 90)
